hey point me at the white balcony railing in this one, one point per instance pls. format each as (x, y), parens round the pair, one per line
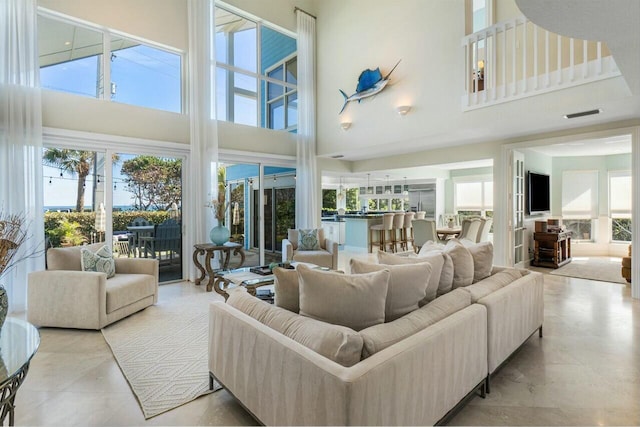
(516, 59)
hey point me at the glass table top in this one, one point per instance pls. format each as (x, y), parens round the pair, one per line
(19, 341)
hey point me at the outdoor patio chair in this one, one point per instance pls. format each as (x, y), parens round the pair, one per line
(167, 239)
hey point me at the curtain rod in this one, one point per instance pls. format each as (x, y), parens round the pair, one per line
(296, 8)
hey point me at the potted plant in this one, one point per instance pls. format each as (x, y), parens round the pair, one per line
(12, 236)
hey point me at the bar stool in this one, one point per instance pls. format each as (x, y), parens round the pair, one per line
(396, 232)
(381, 229)
(407, 230)
(420, 215)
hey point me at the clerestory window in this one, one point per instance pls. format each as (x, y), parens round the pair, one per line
(256, 73)
(78, 58)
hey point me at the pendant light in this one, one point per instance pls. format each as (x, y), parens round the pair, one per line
(406, 187)
(369, 189)
(387, 187)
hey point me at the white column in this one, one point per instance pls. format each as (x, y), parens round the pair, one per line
(635, 213)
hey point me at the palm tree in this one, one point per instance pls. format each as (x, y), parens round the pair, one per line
(74, 162)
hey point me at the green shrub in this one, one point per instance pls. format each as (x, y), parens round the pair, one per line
(56, 223)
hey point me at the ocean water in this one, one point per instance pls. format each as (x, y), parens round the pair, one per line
(88, 208)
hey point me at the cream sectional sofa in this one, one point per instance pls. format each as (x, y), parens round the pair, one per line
(267, 358)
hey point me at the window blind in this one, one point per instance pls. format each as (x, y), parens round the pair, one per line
(580, 194)
(620, 193)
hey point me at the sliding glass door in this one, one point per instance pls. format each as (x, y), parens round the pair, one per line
(147, 210)
(130, 201)
(262, 208)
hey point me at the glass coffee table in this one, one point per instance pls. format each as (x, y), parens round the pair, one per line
(258, 285)
(19, 341)
(229, 279)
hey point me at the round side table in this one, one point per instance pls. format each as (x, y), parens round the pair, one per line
(19, 341)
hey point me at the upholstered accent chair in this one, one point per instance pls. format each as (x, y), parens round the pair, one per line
(471, 229)
(325, 256)
(483, 233)
(64, 296)
(424, 230)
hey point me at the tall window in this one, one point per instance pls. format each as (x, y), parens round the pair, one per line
(620, 205)
(474, 196)
(256, 73)
(72, 61)
(580, 202)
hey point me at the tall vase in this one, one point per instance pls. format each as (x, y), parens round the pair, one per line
(219, 234)
(4, 305)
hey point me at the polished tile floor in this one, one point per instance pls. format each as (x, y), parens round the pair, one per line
(585, 371)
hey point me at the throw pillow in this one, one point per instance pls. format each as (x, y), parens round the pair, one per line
(308, 240)
(436, 260)
(287, 293)
(101, 261)
(462, 263)
(340, 344)
(356, 301)
(482, 254)
(407, 285)
(430, 246)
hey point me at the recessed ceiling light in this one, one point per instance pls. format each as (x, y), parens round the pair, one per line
(582, 114)
(67, 43)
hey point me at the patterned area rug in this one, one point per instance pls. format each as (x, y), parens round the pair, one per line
(603, 269)
(163, 352)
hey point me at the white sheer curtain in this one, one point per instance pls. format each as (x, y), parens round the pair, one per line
(21, 137)
(307, 194)
(203, 130)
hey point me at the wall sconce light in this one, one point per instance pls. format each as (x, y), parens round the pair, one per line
(403, 109)
(345, 125)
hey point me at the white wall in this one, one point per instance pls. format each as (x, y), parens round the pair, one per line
(355, 35)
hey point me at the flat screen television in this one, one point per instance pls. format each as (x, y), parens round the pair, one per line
(538, 194)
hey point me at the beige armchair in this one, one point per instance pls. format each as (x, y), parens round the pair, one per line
(327, 256)
(63, 296)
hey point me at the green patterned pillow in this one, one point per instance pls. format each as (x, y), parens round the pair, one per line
(308, 240)
(101, 261)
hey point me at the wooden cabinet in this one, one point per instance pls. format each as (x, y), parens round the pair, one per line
(552, 249)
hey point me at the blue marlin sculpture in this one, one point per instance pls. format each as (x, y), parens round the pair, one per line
(370, 83)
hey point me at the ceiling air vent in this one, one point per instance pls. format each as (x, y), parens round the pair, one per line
(582, 114)
(337, 156)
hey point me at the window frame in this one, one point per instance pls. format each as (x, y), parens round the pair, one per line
(288, 88)
(107, 34)
(479, 179)
(615, 215)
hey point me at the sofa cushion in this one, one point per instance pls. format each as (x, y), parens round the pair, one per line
(492, 283)
(100, 261)
(379, 337)
(482, 254)
(462, 263)
(287, 293)
(314, 257)
(338, 343)
(356, 301)
(68, 258)
(407, 285)
(435, 259)
(125, 289)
